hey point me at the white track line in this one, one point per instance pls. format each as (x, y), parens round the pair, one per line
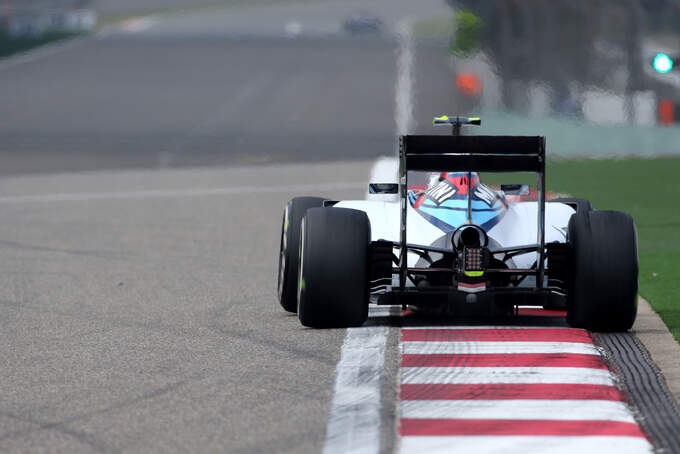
(171, 193)
(354, 423)
(403, 113)
(517, 409)
(137, 24)
(385, 169)
(525, 445)
(384, 311)
(486, 375)
(425, 347)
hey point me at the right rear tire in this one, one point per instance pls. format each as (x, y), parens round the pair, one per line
(333, 289)
(603, 271)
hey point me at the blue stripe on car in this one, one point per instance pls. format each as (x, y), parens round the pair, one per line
(453, 212)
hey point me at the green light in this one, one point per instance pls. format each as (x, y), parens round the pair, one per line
(662, 63)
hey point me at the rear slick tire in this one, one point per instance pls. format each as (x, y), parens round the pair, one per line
(603, 271)
(290, 247)
(333, 289)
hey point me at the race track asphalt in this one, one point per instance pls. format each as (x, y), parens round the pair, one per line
(124, 103)
(149, 323)
(210, 88)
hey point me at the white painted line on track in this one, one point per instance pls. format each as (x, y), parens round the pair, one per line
(354, 423)
(526, 444)
(137, 24)
(506, 347)
(385, 169)
(485, 375)
(403, 91)
(383, 311)
(517, 409)
(171, 193)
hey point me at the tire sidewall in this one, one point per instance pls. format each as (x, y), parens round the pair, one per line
(289, 249)
(602, 283)
(333, 288)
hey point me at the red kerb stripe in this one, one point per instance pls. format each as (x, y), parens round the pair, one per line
(510, 391)
(498, 335)
(504, 360)
(440, 427)
(541, 312)
(478, 285)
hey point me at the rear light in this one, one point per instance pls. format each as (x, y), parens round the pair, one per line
(475, 258)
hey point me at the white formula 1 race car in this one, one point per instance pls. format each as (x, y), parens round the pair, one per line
(457, 245)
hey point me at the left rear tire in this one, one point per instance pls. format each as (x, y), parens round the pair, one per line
(333, 290)
(290, 247)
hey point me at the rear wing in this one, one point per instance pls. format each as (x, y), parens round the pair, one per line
(472, 153)
(458, 153)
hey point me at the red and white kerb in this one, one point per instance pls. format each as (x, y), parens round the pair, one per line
(511, 390)
(471, 288)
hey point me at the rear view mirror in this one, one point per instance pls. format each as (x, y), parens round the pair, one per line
(516, 189)
(383, 188)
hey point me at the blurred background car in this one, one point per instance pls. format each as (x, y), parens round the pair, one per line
(362, 23)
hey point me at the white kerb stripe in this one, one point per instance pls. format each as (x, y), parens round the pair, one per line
(384, 311)
(486, 375)
(354, 422)
(525, 445)
(600, 410)
(505, 347)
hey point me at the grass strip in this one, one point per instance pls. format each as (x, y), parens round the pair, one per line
(10, 45)
(202, 6)
(647, 189)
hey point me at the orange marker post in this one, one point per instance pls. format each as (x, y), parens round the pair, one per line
(469, 84)
(666, 114)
